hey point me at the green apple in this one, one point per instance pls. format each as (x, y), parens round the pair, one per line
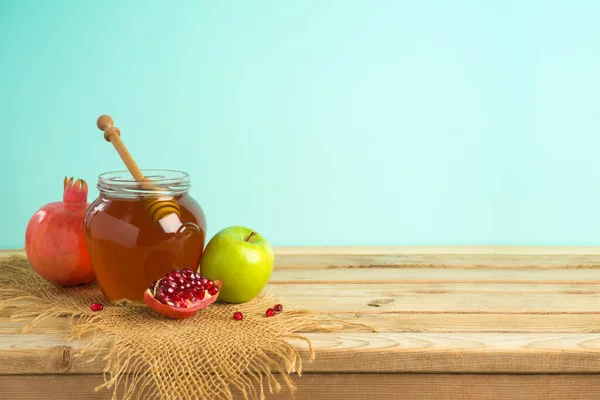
(241, 259)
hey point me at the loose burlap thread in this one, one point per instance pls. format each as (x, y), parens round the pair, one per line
(207, 356)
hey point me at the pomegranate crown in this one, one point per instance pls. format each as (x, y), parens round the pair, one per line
(75, 192)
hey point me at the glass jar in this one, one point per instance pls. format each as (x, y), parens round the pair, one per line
(137, 232)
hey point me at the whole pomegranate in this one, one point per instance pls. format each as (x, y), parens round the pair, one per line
(54, 240)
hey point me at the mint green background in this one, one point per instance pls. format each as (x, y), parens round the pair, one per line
(317, 122)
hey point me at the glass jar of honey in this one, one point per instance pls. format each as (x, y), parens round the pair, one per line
(137, 232)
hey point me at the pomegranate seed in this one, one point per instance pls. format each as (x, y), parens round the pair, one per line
(197, 276)
(202, 295)
(170, 277)
(238, 316)
(203, 281)
(213, 290)
(270, 312)
(96, 307)
(278, 308)
(209, 284)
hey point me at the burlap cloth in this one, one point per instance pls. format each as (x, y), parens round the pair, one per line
(149, 356)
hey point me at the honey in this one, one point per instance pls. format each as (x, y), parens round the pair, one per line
(128, 250)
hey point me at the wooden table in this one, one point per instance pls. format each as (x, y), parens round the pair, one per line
(454, 323)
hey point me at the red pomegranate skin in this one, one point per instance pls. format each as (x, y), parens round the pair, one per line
(54, 239)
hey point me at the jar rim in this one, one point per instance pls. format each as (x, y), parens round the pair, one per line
(163, 182)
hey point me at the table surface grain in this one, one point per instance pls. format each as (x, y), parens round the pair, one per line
(453, 323)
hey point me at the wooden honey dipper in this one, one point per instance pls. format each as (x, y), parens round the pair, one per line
(160, 209)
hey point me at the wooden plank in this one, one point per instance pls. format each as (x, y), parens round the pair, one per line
(347, 386)
(58, 326)
(404, 322)
(423, 250)
(362, 352)
(299, 275)
(349, 271)
(441, 257)
(477, 323)
(452, 256)
(441, 298)
(456, 353)
(438, 260)
(8, 252)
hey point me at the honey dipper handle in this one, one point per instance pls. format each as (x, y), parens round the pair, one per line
(113, 134)
(164, 210)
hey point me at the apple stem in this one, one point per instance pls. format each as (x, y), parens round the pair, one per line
(250, 237)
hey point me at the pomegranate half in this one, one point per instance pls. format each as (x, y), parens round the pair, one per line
(181, 293)
(54, 239)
